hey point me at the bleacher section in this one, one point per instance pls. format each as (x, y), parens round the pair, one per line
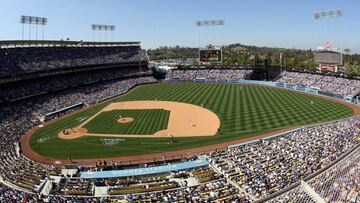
(17, 61)
(335, 85)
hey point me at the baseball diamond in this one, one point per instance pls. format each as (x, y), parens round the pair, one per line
(244, 111)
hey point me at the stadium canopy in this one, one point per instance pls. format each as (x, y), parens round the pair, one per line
(55, 43)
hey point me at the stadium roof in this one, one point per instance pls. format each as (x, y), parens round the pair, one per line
(40, 43)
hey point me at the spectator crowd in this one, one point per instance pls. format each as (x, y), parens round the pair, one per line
(339, 183)
(223, 74)
(337, 85)
(270, 165)
(15, 120)
(59, 91)
(22, 89)
(33, 59)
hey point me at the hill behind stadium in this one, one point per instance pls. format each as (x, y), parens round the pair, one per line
(297, 59)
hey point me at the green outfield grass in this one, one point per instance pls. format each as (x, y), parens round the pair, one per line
(146, 122)
(244, 111)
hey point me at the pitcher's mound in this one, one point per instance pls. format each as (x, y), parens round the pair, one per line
(72, 133)
(125, 120)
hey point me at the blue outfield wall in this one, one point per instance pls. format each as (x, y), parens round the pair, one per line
(144, 171)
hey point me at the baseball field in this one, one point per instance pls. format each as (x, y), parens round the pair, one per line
(165, 117)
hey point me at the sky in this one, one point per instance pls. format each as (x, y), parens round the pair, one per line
(272, 23)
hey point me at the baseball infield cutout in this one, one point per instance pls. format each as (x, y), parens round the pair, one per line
(185, 120)
(125, 120)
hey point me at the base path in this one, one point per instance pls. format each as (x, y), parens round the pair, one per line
(185, 120)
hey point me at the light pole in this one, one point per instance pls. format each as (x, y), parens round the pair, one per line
(202, 23)
(330, 14)
(100, 27)
(32, 20)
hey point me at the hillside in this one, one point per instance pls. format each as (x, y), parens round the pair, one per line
(249, 55)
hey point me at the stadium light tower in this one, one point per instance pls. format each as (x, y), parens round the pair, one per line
(32, 20)
(328, 14)
(208, 23)
(98, 27)
(210, 54)
(334, 59)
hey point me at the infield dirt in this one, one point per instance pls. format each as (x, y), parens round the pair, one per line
(185, 120)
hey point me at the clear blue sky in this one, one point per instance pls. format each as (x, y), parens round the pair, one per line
(275, 23)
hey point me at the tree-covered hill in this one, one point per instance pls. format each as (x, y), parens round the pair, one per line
(249, 55)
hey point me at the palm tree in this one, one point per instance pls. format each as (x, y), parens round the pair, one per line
(347, 51)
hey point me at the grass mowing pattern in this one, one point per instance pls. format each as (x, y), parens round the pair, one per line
(146, 122)
(248, 107)
(244, 111)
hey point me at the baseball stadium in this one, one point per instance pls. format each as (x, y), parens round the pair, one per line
(110, 121)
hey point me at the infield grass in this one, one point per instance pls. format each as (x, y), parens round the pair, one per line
(146, 122)
(244, 111)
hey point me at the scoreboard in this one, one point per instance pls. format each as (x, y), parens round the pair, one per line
(210, 55)
(328, 57)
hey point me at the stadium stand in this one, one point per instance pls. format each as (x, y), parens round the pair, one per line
(265, 167)
(214, 191)
(226, 74)
(24, 89)
(15, 61)
(339, 183)
(336, 85)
